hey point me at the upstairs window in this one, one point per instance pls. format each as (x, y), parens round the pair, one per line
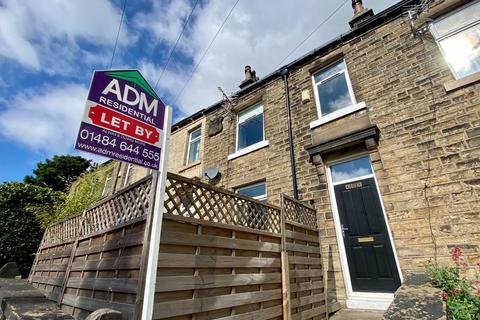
(193, 153)
(256, 191)
(458, 36)
(250, 127)
(333, 90)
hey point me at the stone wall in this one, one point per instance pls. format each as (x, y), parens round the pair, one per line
(426, 164)
(270, 164)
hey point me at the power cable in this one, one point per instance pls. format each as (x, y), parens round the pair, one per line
(118, 33)
(205, 52)
(175, 45)
(311, 33)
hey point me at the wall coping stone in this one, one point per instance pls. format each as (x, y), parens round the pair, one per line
(416, 299)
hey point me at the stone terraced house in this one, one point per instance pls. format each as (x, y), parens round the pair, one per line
(378, 129)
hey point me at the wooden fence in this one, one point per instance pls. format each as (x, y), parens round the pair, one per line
(222, 256)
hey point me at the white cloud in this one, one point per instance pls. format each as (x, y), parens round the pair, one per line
(258, 33)
(45, 35)
(46, 119)
(349, 174)
(165, 20)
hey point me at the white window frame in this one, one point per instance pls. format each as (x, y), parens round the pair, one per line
(127, 173)
(455, 31)
(106, 186)
(190, 141)
(262, 197)
(260, 104)
(341, 112)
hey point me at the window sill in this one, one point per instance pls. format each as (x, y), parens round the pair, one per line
(244, 151)
(337, 114)
(460, 83)
(190, 165)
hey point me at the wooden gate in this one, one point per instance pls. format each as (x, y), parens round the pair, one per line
(222, 256)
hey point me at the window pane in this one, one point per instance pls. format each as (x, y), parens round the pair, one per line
(250, 112)
(329, 71)
(194, 152)
(256, 191)
(333, 94)
(462, 51)
(351, 169)
(195, 134)
(250, 131)
(457, 20)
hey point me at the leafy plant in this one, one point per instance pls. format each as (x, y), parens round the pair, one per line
(85, 191)
(461, 294)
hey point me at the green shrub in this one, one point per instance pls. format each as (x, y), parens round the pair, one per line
(24, 211)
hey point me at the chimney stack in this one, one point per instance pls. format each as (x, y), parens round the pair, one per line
(250, 77)
(357, 6)
(360, 13)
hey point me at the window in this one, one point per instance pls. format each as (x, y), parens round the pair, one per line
(107, 186)
(256, 191)
(128, 175)
(193, 153)
(333, 90)
(250, 127)
(250, 214)
(458, 36)
(351, 169)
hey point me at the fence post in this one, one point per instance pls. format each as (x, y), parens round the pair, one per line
(35, 261)
(70, 260)
(286, 298)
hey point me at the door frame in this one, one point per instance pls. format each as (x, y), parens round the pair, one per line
(358, 300)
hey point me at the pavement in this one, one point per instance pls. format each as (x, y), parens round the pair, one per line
(19, 300)
(349, 314)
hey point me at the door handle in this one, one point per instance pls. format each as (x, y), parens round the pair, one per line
(344, 230)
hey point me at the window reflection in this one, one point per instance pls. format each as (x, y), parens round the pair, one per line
(351, 169)
(458, 36)
(333, 91)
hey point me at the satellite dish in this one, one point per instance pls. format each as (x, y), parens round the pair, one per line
(211, 173)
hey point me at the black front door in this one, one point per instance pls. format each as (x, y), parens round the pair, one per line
(369, 252)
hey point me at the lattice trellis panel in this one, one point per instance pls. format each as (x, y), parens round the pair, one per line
(298, 212)
(193, 199)
(63, 231)
(130, 203)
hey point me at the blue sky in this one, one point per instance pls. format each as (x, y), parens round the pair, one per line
(48, 50)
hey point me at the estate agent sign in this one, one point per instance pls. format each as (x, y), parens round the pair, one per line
(123, 119)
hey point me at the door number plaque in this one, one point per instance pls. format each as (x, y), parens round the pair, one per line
(365, 239)
(353, 185)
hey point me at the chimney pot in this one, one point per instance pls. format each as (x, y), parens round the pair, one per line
(250, 77)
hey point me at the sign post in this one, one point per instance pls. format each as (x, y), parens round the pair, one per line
(156, 233)
(124, 119)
